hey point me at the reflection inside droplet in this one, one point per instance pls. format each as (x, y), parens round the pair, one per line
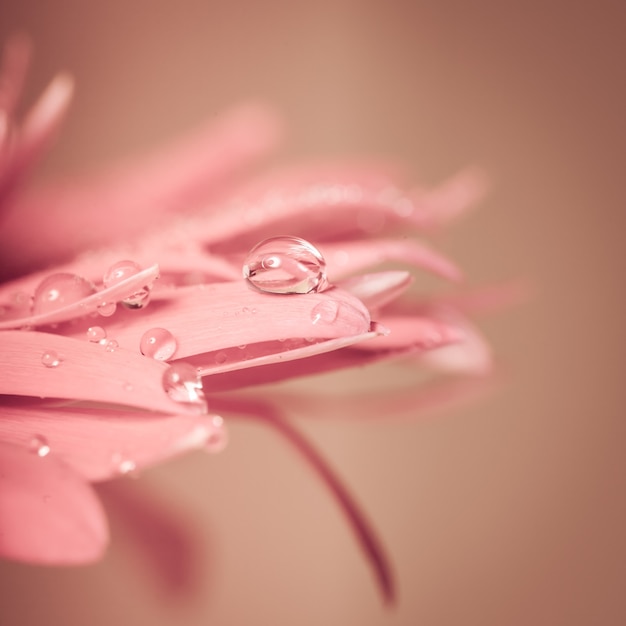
(120, 271)
(182, 384)
(285, 265)
(39, 445)
(50, 358)
(324, 312)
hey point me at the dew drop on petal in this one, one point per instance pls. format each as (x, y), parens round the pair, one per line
(120, 271)
(39, 445)
(158, 343)
(285, 265)
(50, 358)
(217, 437)
(96, 334)
(182, 384)
(110, 345)
(60, 290)
(221, 357)
(106, 309)
(324, 312)
(123, 465)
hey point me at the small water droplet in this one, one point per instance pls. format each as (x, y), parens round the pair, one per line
(50, 358)
(106, 309)
(120, 271)
(110, 345)
(221, 357)
(285, 265)
(96, 334)
(217, 437)
(158, 343)
(39, 445)
(324, 312)
(182, 384)
(60, 290)
(123, 465)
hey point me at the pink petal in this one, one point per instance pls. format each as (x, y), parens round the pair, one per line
(136, 195)
(15, 62)
(363, 531)
(355, 200)
(376, 290)
(104, 443)
(80, 308)
(208, 318)
(36, 134)
(470, 355)
(87, 371)
(47, 513)
(348, 257)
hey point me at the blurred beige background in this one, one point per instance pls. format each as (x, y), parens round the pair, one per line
(510, 511)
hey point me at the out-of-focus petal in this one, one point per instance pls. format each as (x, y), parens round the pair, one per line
(352, 256)
(104, 443)
(135, 197)
(48, 514)
(377, 289)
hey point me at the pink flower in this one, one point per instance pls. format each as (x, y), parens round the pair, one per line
(127, 330)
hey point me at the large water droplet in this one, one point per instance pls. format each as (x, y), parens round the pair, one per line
(120, 271)
(217, 437)
(39, 445)
(285, 265)
(182, 384)
(158, 343)
(324, 312)
(50, 358)
(60, 290)
(96, 334)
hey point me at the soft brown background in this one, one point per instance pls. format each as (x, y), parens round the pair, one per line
(508, 512)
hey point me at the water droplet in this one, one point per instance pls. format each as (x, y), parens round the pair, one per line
(285, 265)
(120, 271)
(39, 445)
(106, 309)
(217, 437)
(110, 345)
(96, 334)
(324, 312)
(50, 358)
(60, 290)
(182, 384)
(158, 343)
(221, 357)
(123, 465)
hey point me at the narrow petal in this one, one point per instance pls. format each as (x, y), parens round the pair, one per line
(48, 514)
(376, 290)
(86, 371)
(13, 69)
(104, 443)
(349, 257)
(363, 530)
(89, 304)
(136, 196)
